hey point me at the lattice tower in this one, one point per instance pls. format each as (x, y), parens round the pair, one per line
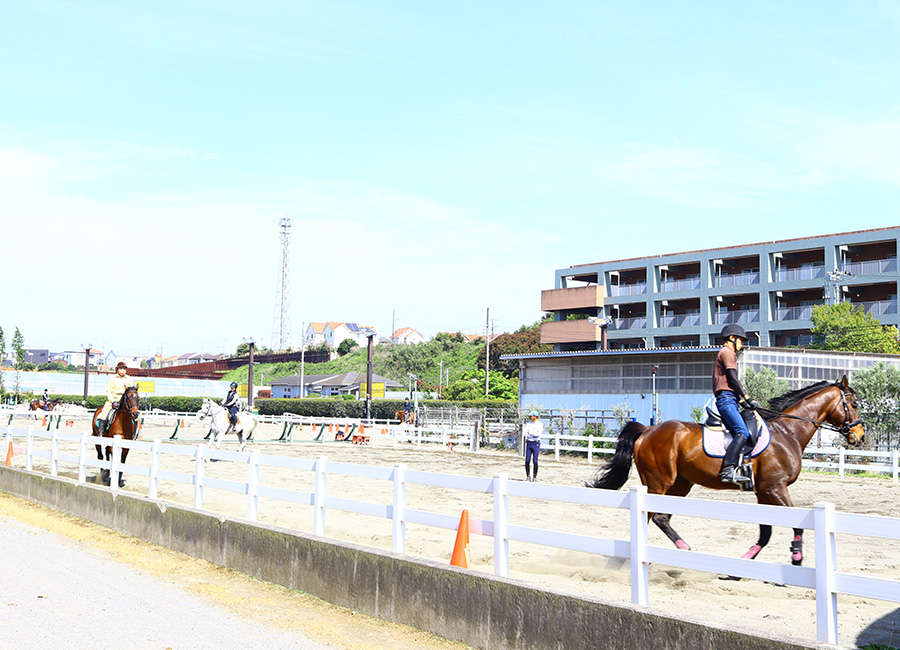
(281, 323)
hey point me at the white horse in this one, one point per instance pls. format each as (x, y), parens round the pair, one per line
(246, 422)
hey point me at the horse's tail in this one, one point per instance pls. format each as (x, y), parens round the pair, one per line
(615, 472)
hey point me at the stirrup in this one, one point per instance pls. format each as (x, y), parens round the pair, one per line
(732, 475)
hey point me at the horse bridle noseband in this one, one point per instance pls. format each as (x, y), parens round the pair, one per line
(844, 429)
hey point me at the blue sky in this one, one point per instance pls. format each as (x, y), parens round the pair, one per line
(436, 158)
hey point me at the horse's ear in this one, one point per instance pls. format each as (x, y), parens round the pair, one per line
(844, 384)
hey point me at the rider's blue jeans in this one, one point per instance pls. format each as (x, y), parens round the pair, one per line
(727, 405)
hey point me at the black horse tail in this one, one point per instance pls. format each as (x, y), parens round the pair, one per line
(615, 472)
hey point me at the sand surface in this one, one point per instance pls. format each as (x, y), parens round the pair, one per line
(747, 604)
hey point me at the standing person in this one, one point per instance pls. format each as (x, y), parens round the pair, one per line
(532, 432)
(729, 394)
(231, 402)
(114, 391)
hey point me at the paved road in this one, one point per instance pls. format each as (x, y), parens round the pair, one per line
(55, 593)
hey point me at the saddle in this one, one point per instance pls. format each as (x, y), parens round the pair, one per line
(716, 437)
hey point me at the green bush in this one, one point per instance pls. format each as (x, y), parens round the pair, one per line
(382, 409)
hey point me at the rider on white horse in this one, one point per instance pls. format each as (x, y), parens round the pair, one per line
(232, 402)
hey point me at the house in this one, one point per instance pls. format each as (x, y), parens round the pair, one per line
(111, 359)
(76, 357)
(407, 335)
(315, 334)
(328, 385)
(337, 332)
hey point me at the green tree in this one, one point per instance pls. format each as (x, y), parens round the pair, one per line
(878, 390)
(18, 349)
(525, 340)
(764, 384)
(849, 328)
(2, 357)
(346, 347)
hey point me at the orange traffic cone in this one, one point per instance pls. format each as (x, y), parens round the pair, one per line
(361, 428)
(460, 555)
(9, 454)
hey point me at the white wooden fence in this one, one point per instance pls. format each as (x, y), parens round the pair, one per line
(824, 578)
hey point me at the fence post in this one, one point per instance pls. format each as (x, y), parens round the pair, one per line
(640, 587)
(501, 517)
(556, 443)
(114, 463)
(826, 562)
(590, 448)
(253, 486)
(319, 497)
(54, 454)
(841, 463)
(895, 462)
(154, 469)
(29, 449)
(398, 515)
(198, 476)
(82, 458)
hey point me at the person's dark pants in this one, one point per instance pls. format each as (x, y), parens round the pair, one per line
(232, 415)
(532, 451)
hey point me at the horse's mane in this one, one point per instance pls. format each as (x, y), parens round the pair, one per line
(792, 397)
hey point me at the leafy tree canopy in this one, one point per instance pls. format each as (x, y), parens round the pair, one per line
(522, 341)
(764, 384)
(878, 390)
(849, 328)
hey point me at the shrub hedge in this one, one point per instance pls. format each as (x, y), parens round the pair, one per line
(382, 409)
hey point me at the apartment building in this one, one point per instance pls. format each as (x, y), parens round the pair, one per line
(684, 299)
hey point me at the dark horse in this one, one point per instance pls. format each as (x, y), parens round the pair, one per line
(670, 458)
(124, 422)
(38, 404)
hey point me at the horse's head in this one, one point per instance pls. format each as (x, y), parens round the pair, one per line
(205, 409)
(852, 426)
(131, 401)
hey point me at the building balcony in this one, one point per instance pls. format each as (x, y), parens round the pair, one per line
(570, 331)
(878, 308)
(803, 312)
(635, 289)
(635, 323)
(679, 320)
(870, 267)
(800, 273)
(574, 298)
(742, 316)
(736, 279)
(687, 284)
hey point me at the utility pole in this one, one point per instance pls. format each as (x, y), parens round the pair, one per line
(393, 323)
(87, 365)
(655, 416)
(250, 377)
(281, 327)
(369, 377)
(441, 381)
(302, 359)
(833, 286)
(487, 352)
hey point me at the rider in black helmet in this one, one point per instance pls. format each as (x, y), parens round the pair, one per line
(232, 402)
(729, 394)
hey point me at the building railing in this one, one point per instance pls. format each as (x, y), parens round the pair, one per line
(870, 267)
(635, 289)
(637, 323)
(686, 284)
(742, 316)
(679, 320)
(736, 279)
(800, 273)
(803, 312)
(878, 307)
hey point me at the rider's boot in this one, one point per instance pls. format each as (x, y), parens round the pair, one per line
(729, 473)
(101, 426)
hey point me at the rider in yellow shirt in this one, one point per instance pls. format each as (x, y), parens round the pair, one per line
(114, 391)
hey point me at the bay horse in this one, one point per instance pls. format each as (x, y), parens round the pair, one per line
(123, 422)
(670, 457)
(38, 404)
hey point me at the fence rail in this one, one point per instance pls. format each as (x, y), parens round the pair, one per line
(824, 577)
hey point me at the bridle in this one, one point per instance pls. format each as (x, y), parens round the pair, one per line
(844, 429)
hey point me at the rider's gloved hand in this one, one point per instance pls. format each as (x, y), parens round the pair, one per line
(751, 404)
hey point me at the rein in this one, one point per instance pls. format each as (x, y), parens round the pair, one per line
(844, 429)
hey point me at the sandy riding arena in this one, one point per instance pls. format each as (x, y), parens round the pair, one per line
(746, 604)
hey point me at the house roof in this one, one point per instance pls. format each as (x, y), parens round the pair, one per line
(318, 328)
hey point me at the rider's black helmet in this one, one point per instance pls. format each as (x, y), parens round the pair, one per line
(733, 329)
(233, 385)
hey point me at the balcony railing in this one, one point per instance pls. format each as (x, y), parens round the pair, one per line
(742, 316)
(679, 320)
(687, 284)
(637, 323)
(878, 307)
(736, 279)
(870, 267)
(800, 273)
(628, 289)
(793, 313)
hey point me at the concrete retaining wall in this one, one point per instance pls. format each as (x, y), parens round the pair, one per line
(479, 610)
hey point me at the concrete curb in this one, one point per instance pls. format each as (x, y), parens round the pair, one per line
(477, 609)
